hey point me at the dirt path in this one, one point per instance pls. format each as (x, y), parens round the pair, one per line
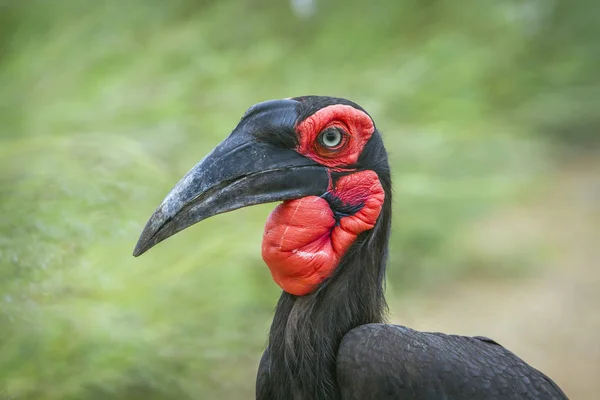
(552, 318)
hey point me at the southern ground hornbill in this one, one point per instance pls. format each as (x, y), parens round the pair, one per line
(326, 246)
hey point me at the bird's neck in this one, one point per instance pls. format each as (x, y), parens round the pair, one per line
(300, 362)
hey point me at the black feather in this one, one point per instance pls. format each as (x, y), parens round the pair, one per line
(383, 362)
(300, 360)
(311, 104)
(331, 344)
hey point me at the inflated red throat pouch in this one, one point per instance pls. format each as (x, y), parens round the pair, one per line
(305, 239)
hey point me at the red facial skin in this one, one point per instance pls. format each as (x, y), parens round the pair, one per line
(355, 123)
(303, 243)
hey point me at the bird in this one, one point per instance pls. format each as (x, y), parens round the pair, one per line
(326, 245)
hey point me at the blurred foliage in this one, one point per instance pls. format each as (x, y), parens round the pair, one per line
(104, 105)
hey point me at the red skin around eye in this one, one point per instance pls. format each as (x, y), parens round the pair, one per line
(357, 124)
(302, 245)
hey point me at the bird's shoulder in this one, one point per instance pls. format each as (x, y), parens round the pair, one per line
(379, 361)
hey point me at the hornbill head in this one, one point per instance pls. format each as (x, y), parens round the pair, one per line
(321, 156)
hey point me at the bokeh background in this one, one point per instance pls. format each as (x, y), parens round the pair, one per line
(491, 114)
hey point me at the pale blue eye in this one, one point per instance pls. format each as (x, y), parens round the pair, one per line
(330, 137)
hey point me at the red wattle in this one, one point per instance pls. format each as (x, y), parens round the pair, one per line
(302, 245)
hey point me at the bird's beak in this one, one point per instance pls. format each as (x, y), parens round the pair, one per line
(241, 171)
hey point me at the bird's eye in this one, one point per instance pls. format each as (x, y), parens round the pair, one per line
(331, 138)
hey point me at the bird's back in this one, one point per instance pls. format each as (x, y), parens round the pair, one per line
(378, 361)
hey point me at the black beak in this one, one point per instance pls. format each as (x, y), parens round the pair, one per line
(241, 171)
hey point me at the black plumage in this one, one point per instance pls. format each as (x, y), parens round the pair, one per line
(332, 344)
(378, 361)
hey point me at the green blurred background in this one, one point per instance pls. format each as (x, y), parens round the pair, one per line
(490, 111)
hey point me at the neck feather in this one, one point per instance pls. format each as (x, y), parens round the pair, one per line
(300, 361)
